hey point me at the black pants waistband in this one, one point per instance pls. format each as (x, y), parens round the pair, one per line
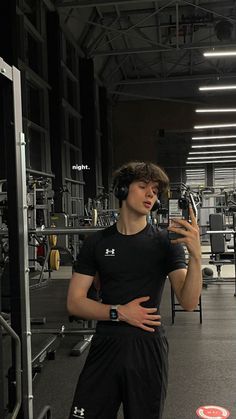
(121, 328)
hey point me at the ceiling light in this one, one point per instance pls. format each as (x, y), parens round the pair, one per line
(224, 176)
(215, 110)
(212, 152)
(214, 126)
(218, 87)
(214, 137)
(210, 157)
(227, 169)
(211, 161)
(213, 145)
(219, 54)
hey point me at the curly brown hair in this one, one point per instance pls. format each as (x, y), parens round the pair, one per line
(136, 170)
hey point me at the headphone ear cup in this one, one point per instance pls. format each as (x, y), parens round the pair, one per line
(156, 206)
(121, 192)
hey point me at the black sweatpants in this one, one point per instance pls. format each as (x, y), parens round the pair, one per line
(124, 365)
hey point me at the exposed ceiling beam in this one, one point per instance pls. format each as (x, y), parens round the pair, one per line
(205, 9)
(146, 65)
(49, 5)
(133, 63)
(145, 18)
(100, 38)
(177, 79)
(222, 5)
(111, 29)
(87, 33)
(92, 3)
(144, 36)
(115, 70)
(167, 49)
(181, 58)
(163, 99)
(159, 39)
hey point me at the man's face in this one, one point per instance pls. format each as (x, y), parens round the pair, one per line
(142, 196)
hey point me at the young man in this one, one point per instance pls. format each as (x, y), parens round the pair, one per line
(127, 361)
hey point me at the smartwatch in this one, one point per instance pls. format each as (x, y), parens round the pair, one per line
(114, 313)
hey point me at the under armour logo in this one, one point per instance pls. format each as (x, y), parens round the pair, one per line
(79, 413)
(110, 252)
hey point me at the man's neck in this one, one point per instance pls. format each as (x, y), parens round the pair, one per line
(128, 224)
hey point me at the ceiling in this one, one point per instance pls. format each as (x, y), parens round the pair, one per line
(138, 44)
(154, 49)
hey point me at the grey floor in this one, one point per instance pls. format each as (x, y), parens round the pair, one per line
(202, 357)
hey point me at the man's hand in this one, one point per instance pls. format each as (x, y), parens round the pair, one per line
(190, 234)
(136, 315)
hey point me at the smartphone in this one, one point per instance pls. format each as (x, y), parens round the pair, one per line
(178, 208)
(193, 205)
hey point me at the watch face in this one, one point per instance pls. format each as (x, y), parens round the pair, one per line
(113, 314)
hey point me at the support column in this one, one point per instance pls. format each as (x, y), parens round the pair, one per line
(55, 95)
(176, 174)
(210, 174)
(104, 137)
(87, 106)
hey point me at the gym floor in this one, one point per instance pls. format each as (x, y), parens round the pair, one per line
(202, 356)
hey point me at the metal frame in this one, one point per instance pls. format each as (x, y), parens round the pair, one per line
(175, 304)
(18, 237)
(17, 341)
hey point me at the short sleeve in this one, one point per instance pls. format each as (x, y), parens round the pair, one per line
(85, 262)
(175, 258)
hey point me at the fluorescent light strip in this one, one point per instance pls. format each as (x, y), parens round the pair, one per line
(211, 157)
(214, 137)
(214, 126)
(213, 145)
(219, 54)
(217, 87)
(215, 110)
(212, 152)
(228, 169)
(211, 161)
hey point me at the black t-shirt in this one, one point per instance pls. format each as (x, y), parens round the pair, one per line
(130, 266)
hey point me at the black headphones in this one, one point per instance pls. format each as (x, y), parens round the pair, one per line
(156, 206)
(121, 191)
(121, 184)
